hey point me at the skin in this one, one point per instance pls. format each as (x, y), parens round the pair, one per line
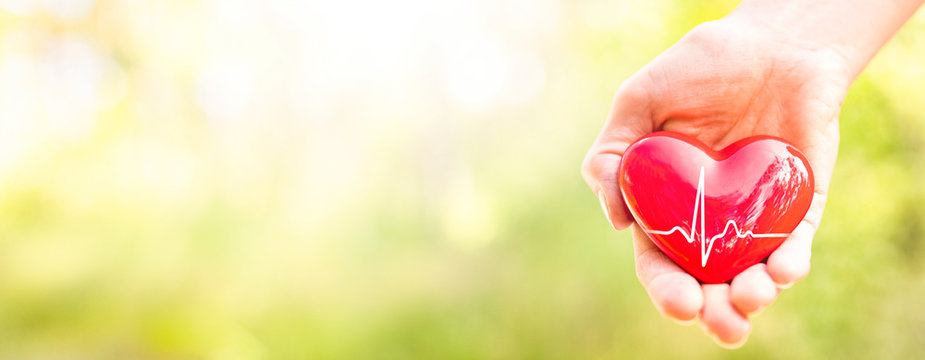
(772, 67)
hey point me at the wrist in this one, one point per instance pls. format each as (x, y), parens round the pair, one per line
(839, 60)
(850, 30)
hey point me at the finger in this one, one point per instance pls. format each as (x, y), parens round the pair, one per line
(752, 290)
(600, 172)
(790, 262)
(727, 326)
(627, 122)
(675, 293)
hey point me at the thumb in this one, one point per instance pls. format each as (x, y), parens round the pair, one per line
(627, 122)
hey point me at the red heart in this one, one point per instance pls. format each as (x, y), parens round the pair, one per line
(715, 213)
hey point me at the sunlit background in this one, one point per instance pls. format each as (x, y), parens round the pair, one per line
(346, 179)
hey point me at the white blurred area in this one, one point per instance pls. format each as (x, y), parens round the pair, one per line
(303, 94)
(63, 9)
(52, 88)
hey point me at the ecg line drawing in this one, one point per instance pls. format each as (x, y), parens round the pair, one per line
(705, 248)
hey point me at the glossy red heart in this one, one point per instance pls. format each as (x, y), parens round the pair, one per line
(715, 213)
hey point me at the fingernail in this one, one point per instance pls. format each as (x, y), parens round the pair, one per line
(785, 286)
(730, 346)
(600, 195)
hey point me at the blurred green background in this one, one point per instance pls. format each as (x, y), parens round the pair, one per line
(390, 180)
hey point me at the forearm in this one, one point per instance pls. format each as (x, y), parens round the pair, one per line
(854, 29)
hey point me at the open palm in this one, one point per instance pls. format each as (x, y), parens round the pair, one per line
(722, 82)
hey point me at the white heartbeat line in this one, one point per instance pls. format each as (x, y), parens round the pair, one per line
(705, 248)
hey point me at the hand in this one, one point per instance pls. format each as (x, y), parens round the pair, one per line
(724, 81)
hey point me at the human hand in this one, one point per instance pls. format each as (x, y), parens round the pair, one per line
(724, 81)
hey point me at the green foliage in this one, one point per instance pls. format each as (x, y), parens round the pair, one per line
(396, 224)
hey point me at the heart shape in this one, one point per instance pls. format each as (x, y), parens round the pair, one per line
(715, 213)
